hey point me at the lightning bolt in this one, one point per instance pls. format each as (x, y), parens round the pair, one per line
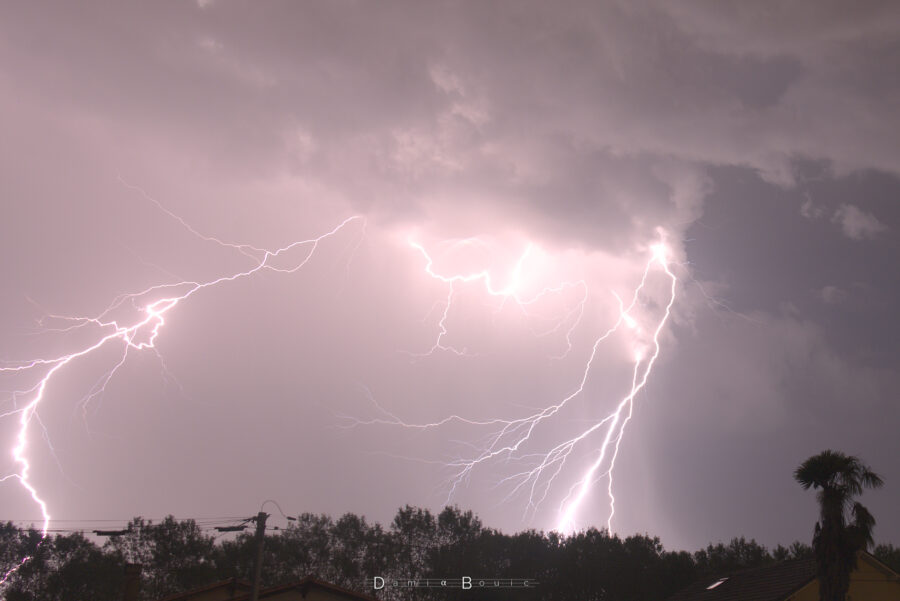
(508, 438)
(616, 429)
(510, 292)
(145, 317)
(138, 332)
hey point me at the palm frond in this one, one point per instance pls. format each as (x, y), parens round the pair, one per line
(863, 525)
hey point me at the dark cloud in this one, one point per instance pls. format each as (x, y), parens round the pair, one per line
(762, 141)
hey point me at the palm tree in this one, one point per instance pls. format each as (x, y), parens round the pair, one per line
(837, 539)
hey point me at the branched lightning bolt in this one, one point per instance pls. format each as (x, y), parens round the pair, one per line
(642, 368)
(138, 333)
(509, 292)
(508, 437)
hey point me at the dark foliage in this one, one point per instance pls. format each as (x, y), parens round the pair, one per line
(178, 555)
(889, 555)
(60, 568)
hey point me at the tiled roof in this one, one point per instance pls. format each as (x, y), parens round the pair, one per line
(233, 583)
(304, 585)
(770, 583)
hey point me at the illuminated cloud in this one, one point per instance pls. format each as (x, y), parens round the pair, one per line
(581, 128)
(856, 223)
(833, 295)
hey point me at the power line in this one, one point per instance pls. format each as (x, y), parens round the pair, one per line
(222, 525)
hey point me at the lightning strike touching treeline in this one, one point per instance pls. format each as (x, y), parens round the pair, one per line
(138, 330)
(509, 438)
(571, 265)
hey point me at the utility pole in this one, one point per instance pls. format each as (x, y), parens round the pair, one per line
(132, 582)
(260, 541)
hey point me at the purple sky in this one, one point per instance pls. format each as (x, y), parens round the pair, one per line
(762, 144)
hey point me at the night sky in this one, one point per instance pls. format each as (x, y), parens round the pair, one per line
(546, 146)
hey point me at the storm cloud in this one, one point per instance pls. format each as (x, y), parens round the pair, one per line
(760, 140)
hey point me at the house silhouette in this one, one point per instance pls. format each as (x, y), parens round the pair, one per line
(794, 580)
(307, 589)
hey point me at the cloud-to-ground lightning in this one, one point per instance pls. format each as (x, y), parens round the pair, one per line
(137, 331)
(135, 321)
(508, 438)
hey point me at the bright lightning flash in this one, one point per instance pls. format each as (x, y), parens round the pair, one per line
(513, 290)
(138, 333)
(508, 438)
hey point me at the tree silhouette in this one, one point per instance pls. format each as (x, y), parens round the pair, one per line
(845, 526)
(176, 556)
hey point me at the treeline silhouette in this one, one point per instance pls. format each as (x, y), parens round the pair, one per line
(178, 555)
